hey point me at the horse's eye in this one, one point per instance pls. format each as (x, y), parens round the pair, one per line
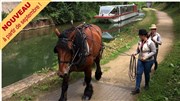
(64, 40)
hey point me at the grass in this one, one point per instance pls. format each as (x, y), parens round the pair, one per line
(165, 83)
(124, 40)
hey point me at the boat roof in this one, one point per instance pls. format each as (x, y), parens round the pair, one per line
(117, 5)
(108, 8)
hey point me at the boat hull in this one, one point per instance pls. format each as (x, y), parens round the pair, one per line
(123, 17)
(117, 18)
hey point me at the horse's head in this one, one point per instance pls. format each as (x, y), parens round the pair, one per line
(64, 49)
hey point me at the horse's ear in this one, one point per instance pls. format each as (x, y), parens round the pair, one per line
(57, 32)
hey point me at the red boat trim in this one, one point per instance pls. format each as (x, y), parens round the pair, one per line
(111, 17)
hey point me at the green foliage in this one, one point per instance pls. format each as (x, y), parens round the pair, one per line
(63, 12)
(26, 98)
(59, 12)
(168, 5)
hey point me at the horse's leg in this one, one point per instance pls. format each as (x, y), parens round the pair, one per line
(64, 88)
(89, 88)
(98, 72)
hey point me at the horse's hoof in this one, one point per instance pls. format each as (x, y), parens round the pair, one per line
(88, 93)
(85, 98)
(62, 99)
(98, 75)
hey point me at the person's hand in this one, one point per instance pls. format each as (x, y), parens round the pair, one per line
(134, 55)
(143, 59)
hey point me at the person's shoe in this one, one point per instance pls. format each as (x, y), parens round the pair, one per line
(155, 67)
(146, 87)
(135, 91)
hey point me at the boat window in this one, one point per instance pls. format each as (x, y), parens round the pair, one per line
(130, 9)
(115, 11)
(123, 10)
(126, 9)
(105, 10)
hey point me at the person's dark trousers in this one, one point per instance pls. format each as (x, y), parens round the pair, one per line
(155, 60)
(143, 66)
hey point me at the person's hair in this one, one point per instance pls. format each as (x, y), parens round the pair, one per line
(153, 29)
(143, 32)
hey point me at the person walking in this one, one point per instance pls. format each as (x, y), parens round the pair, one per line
(156, 38)
(146, 50)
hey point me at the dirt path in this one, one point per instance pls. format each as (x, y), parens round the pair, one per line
(115, 84)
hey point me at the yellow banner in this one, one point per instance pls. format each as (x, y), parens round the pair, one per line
(19, 18)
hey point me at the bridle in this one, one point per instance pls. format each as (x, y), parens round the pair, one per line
(70, 62)
(65, 41)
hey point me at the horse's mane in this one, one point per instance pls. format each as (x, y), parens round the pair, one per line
(79, 39)
(64, 35)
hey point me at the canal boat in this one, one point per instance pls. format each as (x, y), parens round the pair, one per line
(116, 13)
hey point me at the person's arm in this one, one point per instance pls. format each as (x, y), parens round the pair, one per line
(153, 51)
(137, 51)
(158, 41)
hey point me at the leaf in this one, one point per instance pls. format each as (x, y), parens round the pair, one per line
(171, 65)
(166, 99)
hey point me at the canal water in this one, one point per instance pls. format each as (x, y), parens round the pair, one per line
(32, 50)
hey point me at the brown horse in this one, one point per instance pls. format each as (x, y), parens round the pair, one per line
(78, 49)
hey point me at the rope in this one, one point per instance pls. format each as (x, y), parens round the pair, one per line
(132, 68)
(125, 54)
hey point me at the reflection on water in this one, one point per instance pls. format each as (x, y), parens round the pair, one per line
(27, 34)
(114, 28)
(32, 50)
